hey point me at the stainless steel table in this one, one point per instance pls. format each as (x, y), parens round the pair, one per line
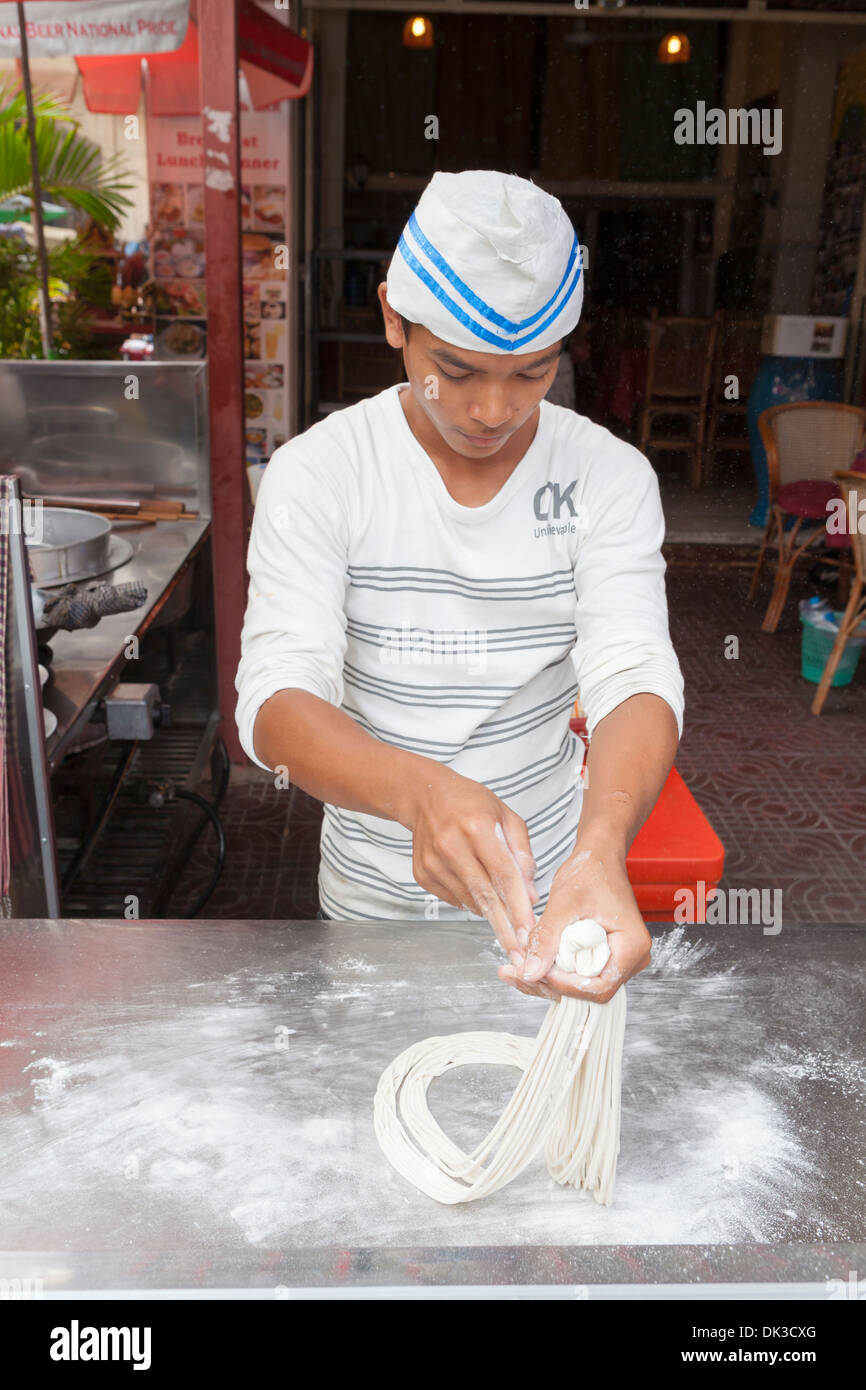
(185, 1106)
(89, 660)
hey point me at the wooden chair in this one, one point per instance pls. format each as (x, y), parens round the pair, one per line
(806, 443)
(853, 487)
(678, 384)
(737, 353)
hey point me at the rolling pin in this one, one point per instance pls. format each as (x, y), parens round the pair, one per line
(119, 506)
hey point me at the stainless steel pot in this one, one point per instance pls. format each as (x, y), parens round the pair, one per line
(74, 545)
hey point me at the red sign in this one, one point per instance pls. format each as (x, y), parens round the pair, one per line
(273, 47)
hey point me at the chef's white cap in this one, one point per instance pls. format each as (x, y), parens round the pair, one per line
(488, 262)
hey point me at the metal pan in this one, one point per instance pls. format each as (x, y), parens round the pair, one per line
(74, 545)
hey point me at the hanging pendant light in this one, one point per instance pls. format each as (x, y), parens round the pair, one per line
(674, 48)
(418, 32)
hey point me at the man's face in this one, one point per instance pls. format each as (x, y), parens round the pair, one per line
(476, 400)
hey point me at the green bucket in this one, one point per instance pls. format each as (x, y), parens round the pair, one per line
(816, 648)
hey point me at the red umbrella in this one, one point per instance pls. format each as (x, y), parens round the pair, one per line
(109, 38)
(109, 48)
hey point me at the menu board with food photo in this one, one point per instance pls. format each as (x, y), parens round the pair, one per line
(195, 205)
(268, 207)
(183, 298)
(272, 316)
(252, 303)
(177, 251)
(252, 341)
(273, 301)
(264, 408)
(177, 291)
(263, 256)
(167, 204)
(265, 376)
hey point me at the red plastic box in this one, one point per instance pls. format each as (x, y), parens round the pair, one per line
(676, 848)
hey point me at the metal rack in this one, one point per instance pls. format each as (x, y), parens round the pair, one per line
(319, 335)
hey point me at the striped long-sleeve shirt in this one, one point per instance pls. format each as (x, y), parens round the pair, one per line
(459, 633)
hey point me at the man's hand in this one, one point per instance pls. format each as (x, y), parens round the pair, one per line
(593, 882)
(631, 754)
(471, 850)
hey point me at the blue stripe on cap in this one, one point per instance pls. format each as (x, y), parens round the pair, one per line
(437, 259)
(468, 322)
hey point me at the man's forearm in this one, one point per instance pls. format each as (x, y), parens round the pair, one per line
(469, 848)
(630, 755)
(328, 755)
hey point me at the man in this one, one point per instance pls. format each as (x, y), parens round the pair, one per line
(434, 572)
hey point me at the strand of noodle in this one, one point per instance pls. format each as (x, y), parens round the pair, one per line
(567, 1103)
(591, 1161)
(427, 1157)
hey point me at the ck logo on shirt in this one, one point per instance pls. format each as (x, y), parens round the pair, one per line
(554, 503)
(550, 500)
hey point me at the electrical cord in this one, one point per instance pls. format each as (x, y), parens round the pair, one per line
(215, 821)
(226, 773)
(127, 752)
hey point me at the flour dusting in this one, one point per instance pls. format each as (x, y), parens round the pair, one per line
(240, 1113)
(673, 953)
(355, 963)
(846, 1073)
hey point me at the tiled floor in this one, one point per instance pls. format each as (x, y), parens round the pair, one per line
(718, 514)
(785, 791)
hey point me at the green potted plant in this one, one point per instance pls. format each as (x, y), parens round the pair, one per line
(76, 177)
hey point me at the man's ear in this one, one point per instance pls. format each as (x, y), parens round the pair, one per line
(393, 326)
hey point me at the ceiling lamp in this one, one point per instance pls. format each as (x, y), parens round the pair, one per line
(418, 32)
(674, 48)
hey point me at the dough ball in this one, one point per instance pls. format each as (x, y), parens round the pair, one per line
(583, 947)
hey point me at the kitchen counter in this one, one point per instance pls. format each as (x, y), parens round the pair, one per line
(88, 660)
(187, 1106)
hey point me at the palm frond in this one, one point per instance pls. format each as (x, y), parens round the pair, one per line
(13, 105)
(71, 167)
(71, 171)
